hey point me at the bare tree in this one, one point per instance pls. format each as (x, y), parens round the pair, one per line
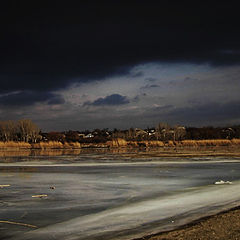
(8, 130)
(131, 133)
(161, 130)
(179, 132)
(28, 130)
(3, 131)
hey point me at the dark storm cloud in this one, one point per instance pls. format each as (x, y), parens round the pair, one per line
(27, 98)
(206, 114)
(209, 112)
(50, 46)
(111, 100)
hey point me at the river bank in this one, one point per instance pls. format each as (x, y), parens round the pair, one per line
(127, 149)
(225, 225)
(122, 143)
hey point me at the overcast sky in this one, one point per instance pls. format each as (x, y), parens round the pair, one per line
(119, 64)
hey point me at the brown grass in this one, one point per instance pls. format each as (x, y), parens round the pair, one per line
(71, 145)
(12, 144)
(170, 143)
(56, 145)
(154, 144)
(47, 145)
(210, 142)
(116, 143)
(184, 143)
(235, 141)
(119, 142)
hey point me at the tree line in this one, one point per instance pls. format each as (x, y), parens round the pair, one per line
(22, 130)
(27, 131)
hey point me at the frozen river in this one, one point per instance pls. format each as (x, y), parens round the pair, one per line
(107, 199)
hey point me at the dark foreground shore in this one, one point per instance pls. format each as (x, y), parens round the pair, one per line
(223, 226)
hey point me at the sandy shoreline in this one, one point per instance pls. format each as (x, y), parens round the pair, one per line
(224, 225)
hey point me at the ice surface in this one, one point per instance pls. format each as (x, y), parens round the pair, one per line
(109, 223)
(113, 201)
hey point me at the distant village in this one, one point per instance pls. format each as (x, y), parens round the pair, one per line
(27, 131)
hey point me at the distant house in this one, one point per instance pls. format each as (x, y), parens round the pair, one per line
(90, 135)
(151, 132)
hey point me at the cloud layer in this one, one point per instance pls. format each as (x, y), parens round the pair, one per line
(119, 64)
(51, 47)
(27, 98)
